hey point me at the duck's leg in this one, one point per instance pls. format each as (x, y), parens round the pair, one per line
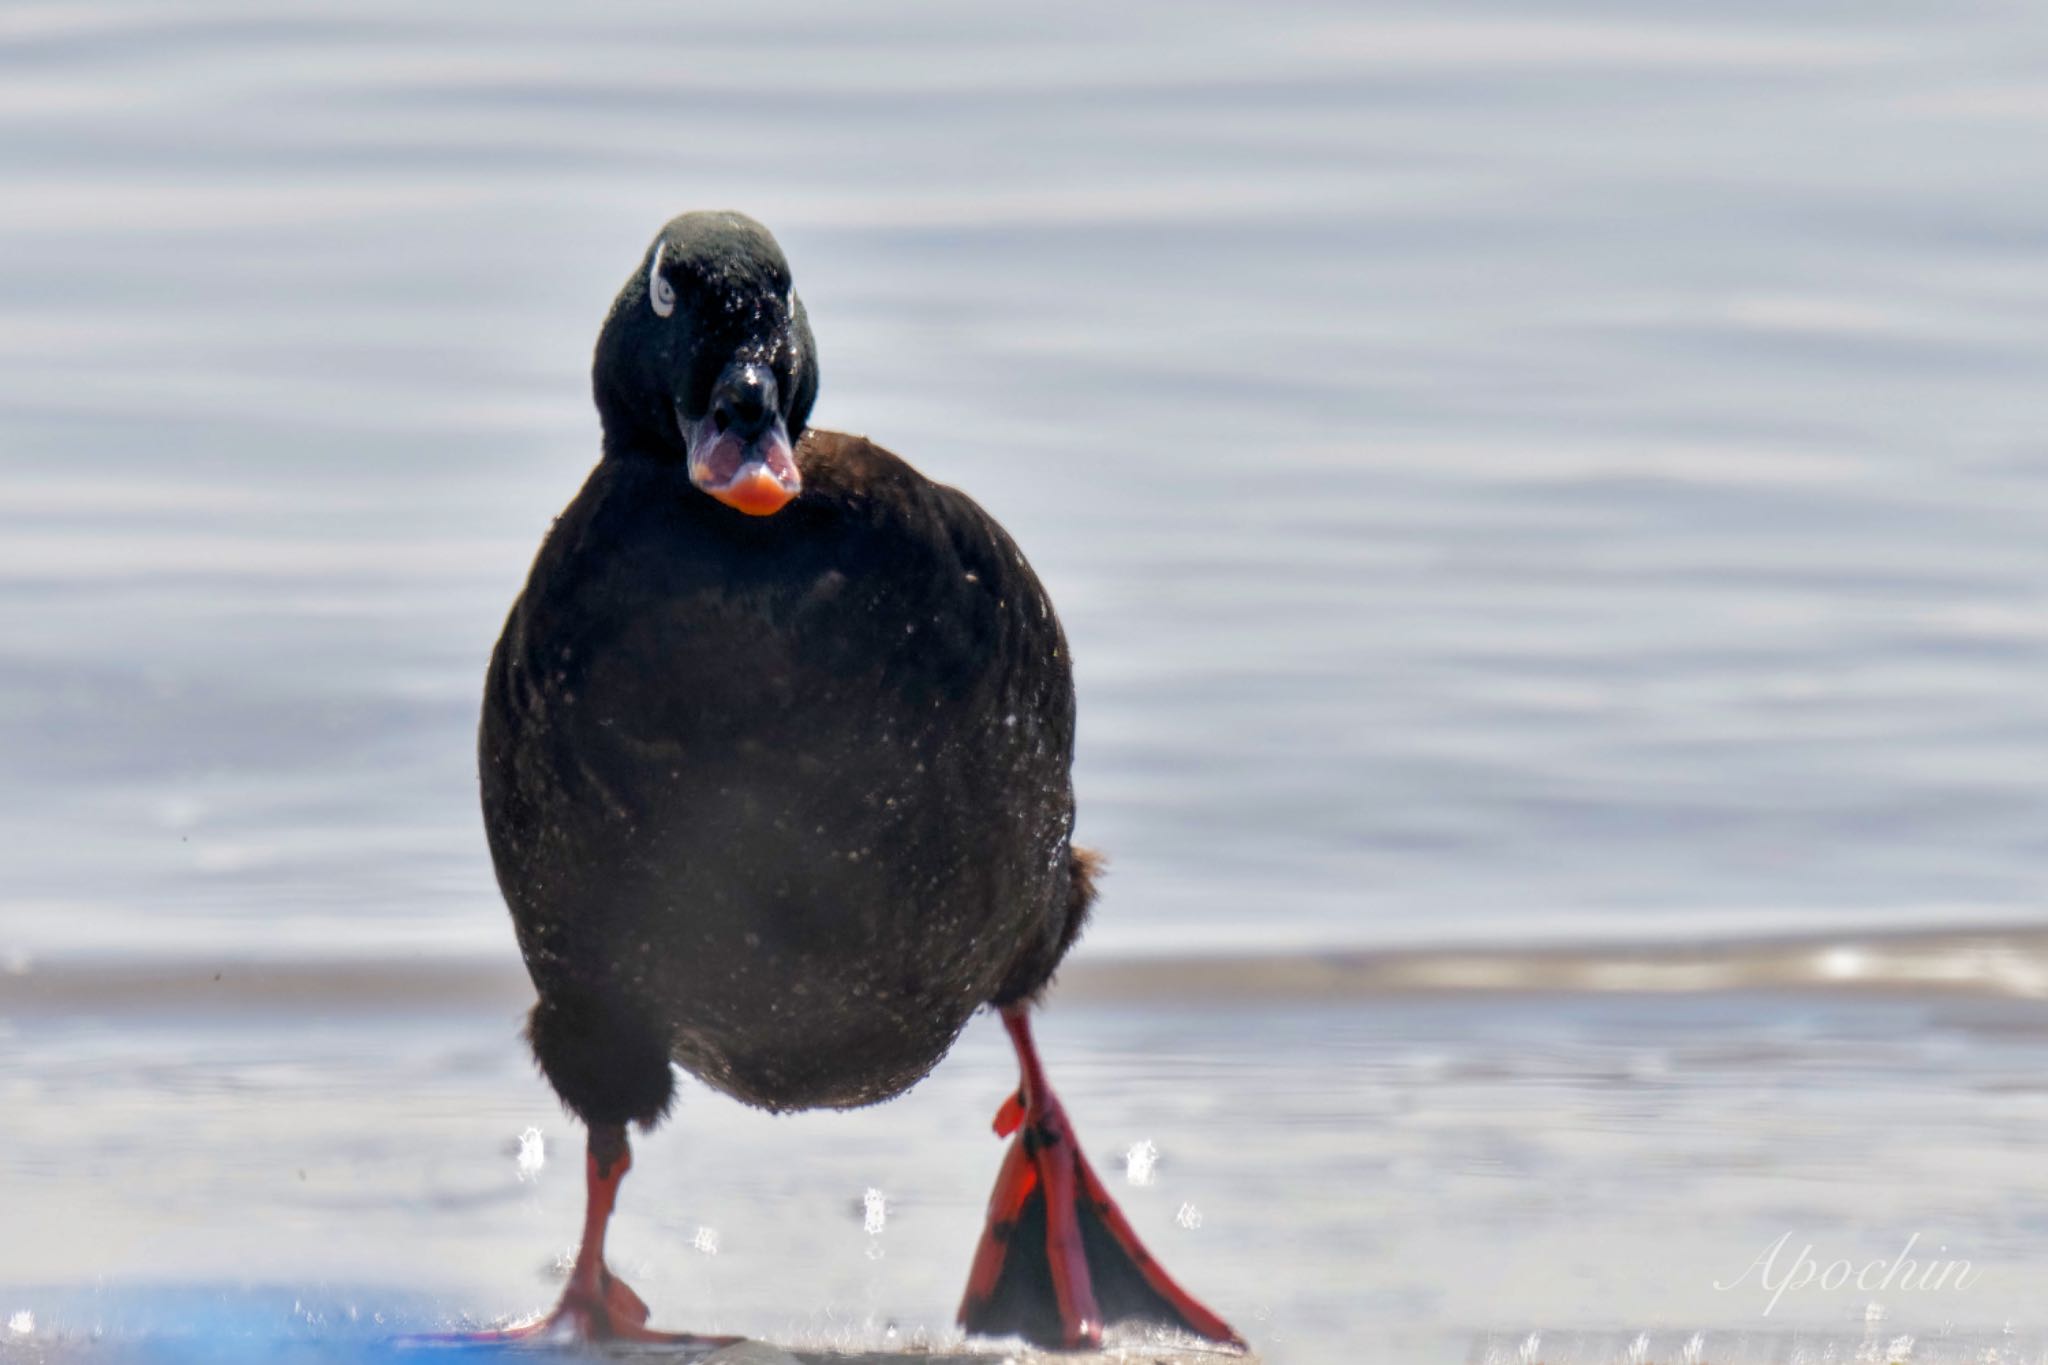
(596, 1305)
(1057, 1260)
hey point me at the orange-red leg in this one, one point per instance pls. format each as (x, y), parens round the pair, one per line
(596, 1305)
(1058, 1259)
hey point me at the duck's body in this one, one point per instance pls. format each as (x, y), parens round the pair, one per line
(785, 799)
(775, 758)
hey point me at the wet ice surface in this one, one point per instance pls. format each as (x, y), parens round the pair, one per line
(1402, 1181)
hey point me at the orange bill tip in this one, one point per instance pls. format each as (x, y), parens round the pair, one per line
(755, 491)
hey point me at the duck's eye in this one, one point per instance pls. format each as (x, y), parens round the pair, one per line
(661, 295)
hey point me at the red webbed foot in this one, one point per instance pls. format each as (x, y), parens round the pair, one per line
(1058, 1261)
(603, 1309)
(596, 1305)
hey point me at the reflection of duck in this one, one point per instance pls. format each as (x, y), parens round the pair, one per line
(775, 758)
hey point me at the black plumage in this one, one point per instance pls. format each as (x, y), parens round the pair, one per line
(775, 758)
(785, 798)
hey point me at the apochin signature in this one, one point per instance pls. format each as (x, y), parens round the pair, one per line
(1901, 1274)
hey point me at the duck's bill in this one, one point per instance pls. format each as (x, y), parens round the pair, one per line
(757, 476)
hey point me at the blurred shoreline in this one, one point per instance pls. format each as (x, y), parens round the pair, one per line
(1982, 962)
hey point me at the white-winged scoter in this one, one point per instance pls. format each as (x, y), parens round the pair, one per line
(775, 758)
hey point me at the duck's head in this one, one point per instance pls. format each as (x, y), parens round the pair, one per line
(706, 358)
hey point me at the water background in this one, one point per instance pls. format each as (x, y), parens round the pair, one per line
(1510, 474)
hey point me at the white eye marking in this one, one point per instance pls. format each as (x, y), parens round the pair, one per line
(661, 295)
